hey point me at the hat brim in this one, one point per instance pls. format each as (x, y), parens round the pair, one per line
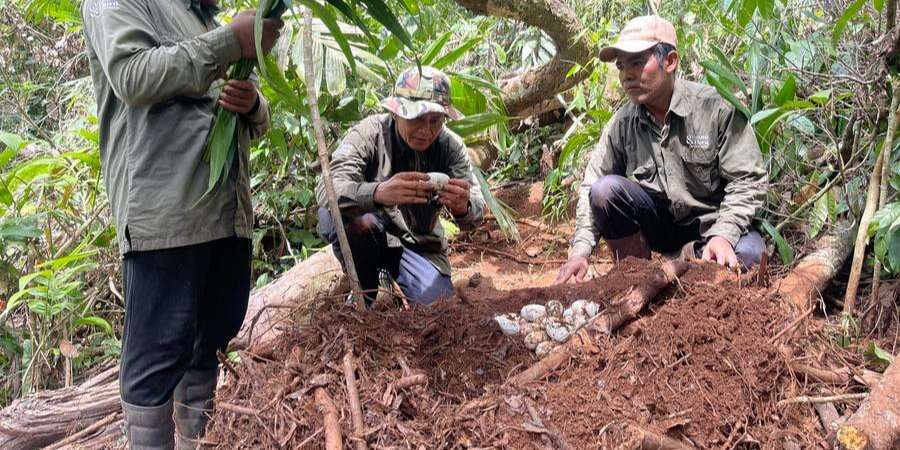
(412, 109)
(610, 53)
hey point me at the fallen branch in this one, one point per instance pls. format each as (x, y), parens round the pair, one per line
(839, 376)
(410, 381)
(609, 321)
(828, 416)
(827, 399)
(322, 147)
(805, 283)
(237, 409)
(325, 405)
(876, 424)
(641, 439)
(359, 426)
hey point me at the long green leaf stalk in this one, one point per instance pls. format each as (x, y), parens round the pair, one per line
(223, 138)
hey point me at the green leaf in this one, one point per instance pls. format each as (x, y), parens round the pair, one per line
(724, 74)
(6, 197)
(434, 49)
(456, 53)
(95, 321)
(849, 14)
(467, 99)
(479, 82)
(878, 5)
(475, 123)
(821, 97)
(326, 15)
(726, 93)
(20, 229)
(875, 355)
(820, 213)
(380, 12)
(784, 249)
(745, 13)
(221, 142)
(12, 142)
(787, 91)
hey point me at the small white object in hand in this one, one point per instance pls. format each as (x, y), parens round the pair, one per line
(438, 180)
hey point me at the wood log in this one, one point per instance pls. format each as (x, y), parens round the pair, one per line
(876, 424)
(49, 416)
(805, 283)
(330, 419)
(359, 427)
(619, 313)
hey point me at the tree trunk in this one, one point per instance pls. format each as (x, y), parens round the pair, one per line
(814, 272)
(559, 21)
(49, 416)
(876, 424)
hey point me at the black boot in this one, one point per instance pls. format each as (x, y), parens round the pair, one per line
(194, 397)
(149, 427)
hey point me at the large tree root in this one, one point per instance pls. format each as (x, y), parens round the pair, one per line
(876, 424)
(814, 272)
(49, 416)
(615, 316)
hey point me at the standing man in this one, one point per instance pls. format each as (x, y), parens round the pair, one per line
(186, 268)
(388, 204)
(676, 167)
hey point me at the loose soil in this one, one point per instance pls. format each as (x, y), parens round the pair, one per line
(697, 366)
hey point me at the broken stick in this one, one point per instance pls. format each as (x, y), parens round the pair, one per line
(353, 398)
(325, 405)
(642, 439)
(876, 424)
(615, 317)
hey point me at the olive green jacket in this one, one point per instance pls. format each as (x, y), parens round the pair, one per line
(706, 161)
(154, 66)
(372, 152)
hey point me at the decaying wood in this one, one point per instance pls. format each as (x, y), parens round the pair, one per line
(561, 23)
(410, 381)
(49, 416)
(359, 427)
(876, 424)
(330, 419)
(615, 316)
(640, 439)
(805, 283)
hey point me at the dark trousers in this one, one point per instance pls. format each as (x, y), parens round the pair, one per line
(181, 305)
(622, 208)
(419, 280)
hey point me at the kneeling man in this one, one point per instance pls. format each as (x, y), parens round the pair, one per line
(678, 167)
(389, 207)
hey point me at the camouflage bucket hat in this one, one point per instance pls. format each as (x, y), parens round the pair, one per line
(415, 95)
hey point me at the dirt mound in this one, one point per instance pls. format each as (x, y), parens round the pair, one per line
(698, 367)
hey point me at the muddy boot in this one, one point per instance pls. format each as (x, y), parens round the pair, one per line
(193, 405)
(633, 245)
(149, 427)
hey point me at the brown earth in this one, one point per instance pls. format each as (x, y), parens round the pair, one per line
(697, 366)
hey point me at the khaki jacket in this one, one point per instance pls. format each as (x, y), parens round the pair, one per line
(372, 152)
(154, 65)
(706, 161)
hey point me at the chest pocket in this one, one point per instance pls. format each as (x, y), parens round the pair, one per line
(701, 166)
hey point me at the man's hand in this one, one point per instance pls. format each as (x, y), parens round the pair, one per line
(576, 265)
(718, 249)
(242, 26)
(403, 188)
(455, 196)
(238, 96)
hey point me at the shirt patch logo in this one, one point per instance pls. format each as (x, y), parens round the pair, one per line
(99, 6)
(697, 141)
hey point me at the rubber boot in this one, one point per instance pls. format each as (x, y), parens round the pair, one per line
(194, 400)
(634, 245)
(149, 427)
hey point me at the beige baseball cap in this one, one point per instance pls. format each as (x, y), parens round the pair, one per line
(640, 34)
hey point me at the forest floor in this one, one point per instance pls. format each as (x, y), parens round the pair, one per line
(700, 365)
